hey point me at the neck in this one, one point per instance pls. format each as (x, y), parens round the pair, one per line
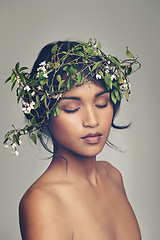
(77, 167)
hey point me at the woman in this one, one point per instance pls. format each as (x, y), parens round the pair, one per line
(72, 96)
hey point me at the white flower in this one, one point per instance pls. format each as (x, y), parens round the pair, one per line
(109, 62)
(98, 76)
(16, 153)
(33, 93)
(20, 142)
(95, 44)
(125, 81)
(43, 69)
(26, 110)
(27, 88)
(45, 75)
(14, 145)
(47, 66)
(58, 96)
(124, 86)
(6, 146)
(18, 80)
(113, 77)
(107, 67)
(32, 105)
(129, 86)
(37, 76)
(42, 63)
(39, 88)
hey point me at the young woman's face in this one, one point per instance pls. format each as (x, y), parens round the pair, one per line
(84, 122)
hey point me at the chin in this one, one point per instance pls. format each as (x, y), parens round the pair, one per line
(89, 152)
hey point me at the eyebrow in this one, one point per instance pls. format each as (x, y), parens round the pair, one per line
(78, 98)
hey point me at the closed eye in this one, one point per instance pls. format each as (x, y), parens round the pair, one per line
(102, 106)
(71, 111)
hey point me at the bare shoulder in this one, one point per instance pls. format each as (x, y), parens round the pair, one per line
(40, 215)
(112, 173)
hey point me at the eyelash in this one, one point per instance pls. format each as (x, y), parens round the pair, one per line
(71, 111)
(75, 110)
(102, 106)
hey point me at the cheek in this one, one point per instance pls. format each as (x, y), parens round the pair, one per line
(61, 127)
(107, 118)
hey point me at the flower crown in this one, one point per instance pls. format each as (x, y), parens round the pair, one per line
(37, 91)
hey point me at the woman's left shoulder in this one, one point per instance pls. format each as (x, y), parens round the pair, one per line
(111, 172)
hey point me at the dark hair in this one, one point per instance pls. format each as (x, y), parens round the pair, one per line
(46, 55)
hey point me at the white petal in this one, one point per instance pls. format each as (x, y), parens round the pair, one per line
(42, 63)
(6, 146)
(16, 153)
(14, 145)
(45, 75)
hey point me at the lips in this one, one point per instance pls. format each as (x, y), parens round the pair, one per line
(92, 137)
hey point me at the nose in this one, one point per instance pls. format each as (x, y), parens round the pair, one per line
(90, 118)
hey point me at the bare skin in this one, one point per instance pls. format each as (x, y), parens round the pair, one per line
(87, 201)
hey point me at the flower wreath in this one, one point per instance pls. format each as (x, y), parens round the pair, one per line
(37, 91)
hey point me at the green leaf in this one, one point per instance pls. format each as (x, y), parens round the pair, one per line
(17, 67)
(44, 81)
(39, 133)
(99, 45)
(108, 80)
(113, 97)
(58, 78)
(45, 103)
(79, 77)
(128, 53)
(56, 111)
(116, 85)
(120, 80)
(23, 68)
(54, 49)
(8, 137)
(15, 139)
(101, 74)
(8, 79)
(33, 137)
(60, 84)
(72, 70)
(12, 131)
(77, 48)
(127, 95)
(13, 84)
(84, 81)
(43, 97)
(80, 53)
(65, 68)
(116, 92)
(41, 75)
(37, 99)
(33, 120)
(12, 76)
(36, 105)
(129, 70)
(114, 59)
(20, 94)
(47, 94)
(69, 85)
(22, 78)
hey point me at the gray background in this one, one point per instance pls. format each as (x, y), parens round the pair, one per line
(25, 27)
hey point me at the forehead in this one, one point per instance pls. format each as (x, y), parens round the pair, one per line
(88, 89)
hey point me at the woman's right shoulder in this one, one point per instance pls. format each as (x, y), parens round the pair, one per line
(39, 212)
